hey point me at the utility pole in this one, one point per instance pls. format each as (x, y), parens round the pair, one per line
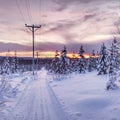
(37, 59)
(33, 28)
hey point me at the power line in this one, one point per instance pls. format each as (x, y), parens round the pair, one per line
(17, 4)
(28, 8)
(39, 9)
(119, 12)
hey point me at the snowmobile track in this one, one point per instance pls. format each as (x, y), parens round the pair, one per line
(37, 102)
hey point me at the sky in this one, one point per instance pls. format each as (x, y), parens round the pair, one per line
(63, 22)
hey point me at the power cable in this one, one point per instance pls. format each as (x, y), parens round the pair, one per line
(17, 4)
(28, 10)
(39, 9)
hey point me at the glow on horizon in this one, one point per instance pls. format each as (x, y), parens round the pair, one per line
(43, 54)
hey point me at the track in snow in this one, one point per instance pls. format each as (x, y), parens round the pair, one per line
(38, 102)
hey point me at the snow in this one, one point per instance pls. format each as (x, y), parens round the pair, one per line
(36, 101)
(84, 97)
(73, 97)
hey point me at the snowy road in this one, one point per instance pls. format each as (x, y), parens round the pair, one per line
(37, 102)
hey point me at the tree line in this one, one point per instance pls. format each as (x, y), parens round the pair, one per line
(107, 61)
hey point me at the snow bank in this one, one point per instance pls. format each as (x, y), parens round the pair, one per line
(84, 97)
(11, 88)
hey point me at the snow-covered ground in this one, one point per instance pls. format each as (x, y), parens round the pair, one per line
(15, 86)
(36, 101)
(73, 97)
(84, 97)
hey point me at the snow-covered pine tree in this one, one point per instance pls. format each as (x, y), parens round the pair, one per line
(64, 62)
(73, 63)
(55, 63)
(81, 51)
(92, 62)
(81, 61)
(14, 64)
(6, 71)
(6, 68)
(103, 60)
(114, 65)
(60, 64)
(6, 88)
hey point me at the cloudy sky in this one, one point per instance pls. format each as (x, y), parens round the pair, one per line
(64, 22)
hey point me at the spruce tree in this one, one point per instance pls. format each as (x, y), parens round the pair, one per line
(64, 62)
(60, 64)
(92, 62)
(14, 64)
(6, 68)
(55, 63)
(73, 63)
(81, 61)
(102, 61)
(6, 71)
(114, 64)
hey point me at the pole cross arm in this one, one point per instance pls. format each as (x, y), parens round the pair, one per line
(35, 26)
